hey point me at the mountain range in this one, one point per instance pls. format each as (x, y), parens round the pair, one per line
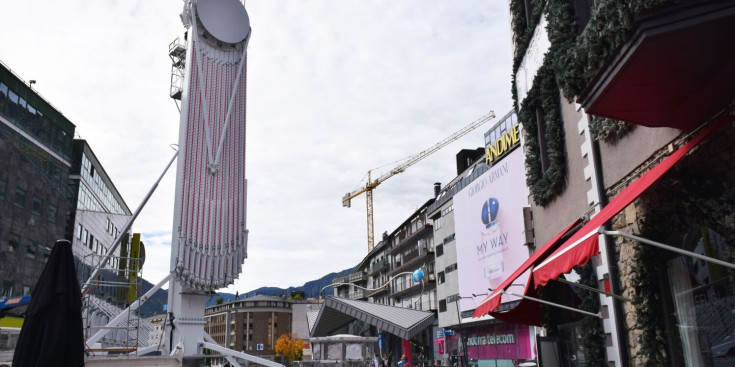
(155, 303)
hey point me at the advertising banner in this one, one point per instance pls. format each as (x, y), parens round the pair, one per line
(488, 217)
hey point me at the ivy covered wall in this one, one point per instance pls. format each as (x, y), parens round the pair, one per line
(573, 60)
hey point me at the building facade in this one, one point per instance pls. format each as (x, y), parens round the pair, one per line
(35, 143)
(386, 276)
(616, 137)
(99, 211)
(480, 234)
(251, 325)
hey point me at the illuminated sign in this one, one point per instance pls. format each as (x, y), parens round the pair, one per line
(502, 145)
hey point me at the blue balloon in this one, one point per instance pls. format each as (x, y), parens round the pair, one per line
(417, 275)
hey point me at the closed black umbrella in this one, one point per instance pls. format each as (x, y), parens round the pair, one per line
(52, 332)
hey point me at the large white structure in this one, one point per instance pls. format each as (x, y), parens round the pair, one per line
(209, 231)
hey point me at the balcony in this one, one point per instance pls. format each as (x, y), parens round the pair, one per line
(342, 279)
(357, 294)
(414, 289)
(356, 277)
(379, 266)
(379, 291)
(426, 229)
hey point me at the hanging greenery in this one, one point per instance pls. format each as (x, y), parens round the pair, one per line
(522, 35)
(576, 57)
(649, 306)
(546, 184)
(593, 334)
(688, 197)
(608, 130)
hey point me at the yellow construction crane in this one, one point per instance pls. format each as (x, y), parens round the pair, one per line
(372, 184)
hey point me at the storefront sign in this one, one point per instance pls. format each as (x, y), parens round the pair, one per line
(501, 146)
(496, 341)
(491, 339)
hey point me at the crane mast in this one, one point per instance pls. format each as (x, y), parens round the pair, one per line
(370, 185)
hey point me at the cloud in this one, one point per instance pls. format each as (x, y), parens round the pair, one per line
(335, 88)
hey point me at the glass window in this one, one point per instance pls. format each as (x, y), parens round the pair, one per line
(12, 96)
(439, 250)
(20, 198)
(437, 223)
(31, 250)
(703, 299)
(7, 288)
(31, 109)
(3, 188)
(52, 210)
(3, 89)
(22, 102)
(37, 203)
(13, 242)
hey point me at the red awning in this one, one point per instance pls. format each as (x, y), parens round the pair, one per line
(578, 249)
(493, 301)
(549, 262)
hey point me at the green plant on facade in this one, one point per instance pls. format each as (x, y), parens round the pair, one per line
(571, 63)
(687, 198)
(574, 59)
(593, 336)
(545, 184)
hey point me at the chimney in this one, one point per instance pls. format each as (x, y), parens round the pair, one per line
(437, 189)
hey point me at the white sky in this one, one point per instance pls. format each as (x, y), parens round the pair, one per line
(335, 88)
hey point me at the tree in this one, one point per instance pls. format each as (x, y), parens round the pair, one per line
(290, 346)
(219, 300)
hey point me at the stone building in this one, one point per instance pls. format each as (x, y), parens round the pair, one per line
(627, 109)
(251, 324)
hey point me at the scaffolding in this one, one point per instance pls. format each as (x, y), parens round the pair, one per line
(177, 53)
(109, 294)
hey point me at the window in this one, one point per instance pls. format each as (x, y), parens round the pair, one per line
(543, 143)
(439, 250)
(583, 12)
(440, 277)
(52, 209)
(449, 238)
(450, 268)
(31, 250)
(437, 223)
(13, 242)
(7, 288)
(20, 198)
(79, 231)
(447, 210)
(36, 207)
(3, 89)
(3, 188)
(13, 97)
(443, 305)
(85, 235)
